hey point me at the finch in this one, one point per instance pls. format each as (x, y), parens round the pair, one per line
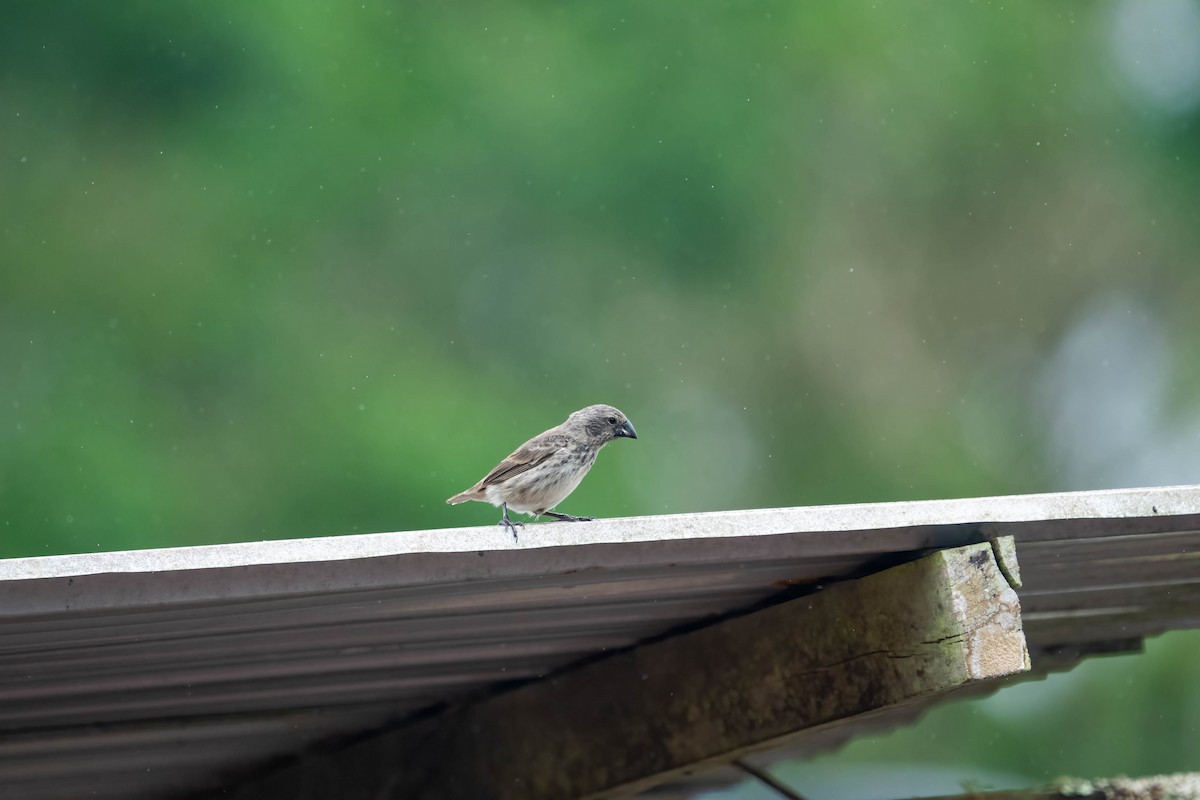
(539, 474)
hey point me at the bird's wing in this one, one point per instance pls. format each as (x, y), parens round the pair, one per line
(525, 457)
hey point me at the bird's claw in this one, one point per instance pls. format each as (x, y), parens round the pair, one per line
(568, 517)
(511, 526)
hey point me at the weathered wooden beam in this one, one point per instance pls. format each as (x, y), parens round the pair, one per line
(648, 714)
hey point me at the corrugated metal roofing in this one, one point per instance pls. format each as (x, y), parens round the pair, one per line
(157, 672)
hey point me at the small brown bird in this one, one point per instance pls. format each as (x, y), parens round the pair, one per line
(540, 474)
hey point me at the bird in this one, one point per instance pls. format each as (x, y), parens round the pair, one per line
(539, 474)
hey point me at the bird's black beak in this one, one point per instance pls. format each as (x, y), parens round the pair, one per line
(625, 429)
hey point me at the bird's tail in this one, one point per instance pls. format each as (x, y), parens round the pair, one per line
(462, 497)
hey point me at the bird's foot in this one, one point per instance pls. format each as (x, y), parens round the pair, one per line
(511, 526)
(567, 517)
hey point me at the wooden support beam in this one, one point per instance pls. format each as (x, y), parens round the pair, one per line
(642, 716)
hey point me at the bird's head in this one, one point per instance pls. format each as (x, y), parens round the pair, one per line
(603, 423)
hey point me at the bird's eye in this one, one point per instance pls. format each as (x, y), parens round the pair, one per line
(612, 420)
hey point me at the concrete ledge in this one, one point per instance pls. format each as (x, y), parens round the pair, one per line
(215, 660)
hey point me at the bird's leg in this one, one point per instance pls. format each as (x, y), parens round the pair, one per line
(509, 524)
(566, 517)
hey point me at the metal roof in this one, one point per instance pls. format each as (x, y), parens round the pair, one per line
(157, 672)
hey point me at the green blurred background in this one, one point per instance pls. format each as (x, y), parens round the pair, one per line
(293, 269)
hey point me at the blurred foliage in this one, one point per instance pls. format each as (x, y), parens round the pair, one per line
(277, 270)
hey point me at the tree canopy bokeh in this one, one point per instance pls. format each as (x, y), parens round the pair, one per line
(271, 270)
